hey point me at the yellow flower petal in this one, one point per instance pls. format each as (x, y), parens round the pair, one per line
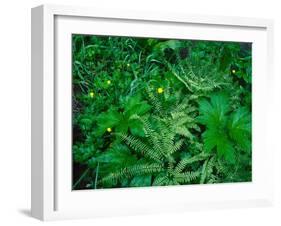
(160, 90)
(109, 129)
(233, 71)
(108, 82)
(92, 94)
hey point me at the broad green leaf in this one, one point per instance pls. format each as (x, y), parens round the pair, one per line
(108, 119)
(240, 128)
(223, 130)
(134, 105)
(116, 158)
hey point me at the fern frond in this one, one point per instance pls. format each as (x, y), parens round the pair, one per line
(153, 137)
(177, 114)
(183, 131)
(204, 172)
(187, 177)
(156, 103)
(139, 146)
(160, 180)
(177, 145)
(182, 120)
(195, 127)
(221, 168)
(186, 161)
(132, 171)
(144, 120)
(182, 107)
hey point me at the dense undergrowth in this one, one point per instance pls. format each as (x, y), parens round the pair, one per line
(150, 112)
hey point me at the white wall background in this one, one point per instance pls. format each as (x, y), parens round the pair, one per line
(15, 112)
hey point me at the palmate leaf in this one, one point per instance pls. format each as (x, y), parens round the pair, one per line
(108, 119)
(124, 119)
(213, 113)
(134, 105)
(218, 139)
(136, 128)
(116, 157)
(224, 129)
(117, 154)
(240, 128)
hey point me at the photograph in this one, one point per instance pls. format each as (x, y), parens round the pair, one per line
(152, 111)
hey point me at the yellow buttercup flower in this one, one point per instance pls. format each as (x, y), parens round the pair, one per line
(160, 90)
(128, 65)
(109, 130)
(92, 94)
(108, 82)
(233, 71)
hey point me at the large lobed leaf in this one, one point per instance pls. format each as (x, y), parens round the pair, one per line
(224, 129)
(240, 128)
(125, 118)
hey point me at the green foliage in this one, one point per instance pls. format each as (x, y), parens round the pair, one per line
(124, 120)
(225, 129)
(159, 163)
(155, 112)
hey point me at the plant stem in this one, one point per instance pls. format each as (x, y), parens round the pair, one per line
(96, 178)
(80, 179)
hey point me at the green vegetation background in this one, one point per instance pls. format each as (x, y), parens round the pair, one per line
(150, 112)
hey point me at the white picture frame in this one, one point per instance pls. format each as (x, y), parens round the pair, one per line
(52, 197)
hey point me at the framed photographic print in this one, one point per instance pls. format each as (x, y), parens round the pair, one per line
(136, 112)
